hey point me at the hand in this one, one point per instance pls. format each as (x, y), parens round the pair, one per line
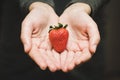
(34, 35)
(83, 36)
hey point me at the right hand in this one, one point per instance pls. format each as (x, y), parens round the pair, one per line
(34, 36)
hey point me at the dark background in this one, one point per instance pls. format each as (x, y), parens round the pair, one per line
(112, 38)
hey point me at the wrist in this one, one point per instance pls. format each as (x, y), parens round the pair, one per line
(82, 6)
(39, 5)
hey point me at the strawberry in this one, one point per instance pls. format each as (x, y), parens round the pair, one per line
(58, 36)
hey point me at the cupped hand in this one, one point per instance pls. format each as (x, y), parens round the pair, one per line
(34, 36)
(83, 36)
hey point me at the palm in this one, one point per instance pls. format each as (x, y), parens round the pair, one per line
(81, 28)
(35, 30)
(78, 37)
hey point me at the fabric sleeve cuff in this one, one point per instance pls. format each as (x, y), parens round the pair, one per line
(94, 4)
(24, 4)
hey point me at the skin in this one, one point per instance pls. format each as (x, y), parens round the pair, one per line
(34, 35)
(83, 34)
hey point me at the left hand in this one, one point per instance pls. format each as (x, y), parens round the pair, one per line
(83, 36)
(34, 36)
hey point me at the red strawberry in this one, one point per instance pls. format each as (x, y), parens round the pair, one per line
(58, 36)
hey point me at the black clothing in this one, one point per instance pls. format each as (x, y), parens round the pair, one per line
(26, 3)
(16, 65)
(59, 4)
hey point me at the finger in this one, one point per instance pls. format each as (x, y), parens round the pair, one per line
(71, 66)
(47, 54)
(77, 58)
(86, 55)
(72, 63)
(51, 61)
(38, 58)
(63, 56)
(94, 36)
(68, 60)
(26, 32)
(57, 59)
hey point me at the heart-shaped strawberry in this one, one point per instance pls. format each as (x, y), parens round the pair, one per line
(58, 36)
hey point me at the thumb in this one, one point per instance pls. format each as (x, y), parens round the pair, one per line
(26, 33)
(94, 37)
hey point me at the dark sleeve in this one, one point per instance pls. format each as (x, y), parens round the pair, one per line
(94, 4)
(24, 4)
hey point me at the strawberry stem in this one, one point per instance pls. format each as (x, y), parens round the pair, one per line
(51, 27)
(65, 26)
(57, 27)
(60, 25)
